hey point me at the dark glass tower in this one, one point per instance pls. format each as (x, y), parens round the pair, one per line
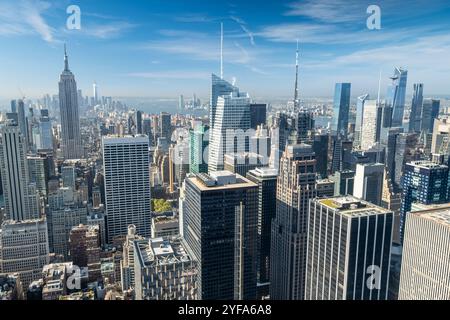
(220, 217)
(424, 182)
(341, 109)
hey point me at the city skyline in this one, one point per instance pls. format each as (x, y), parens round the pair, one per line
(173, 49)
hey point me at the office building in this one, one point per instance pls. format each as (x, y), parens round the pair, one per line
(219, 87)
(19, 201)
(369, 182)
(415, 117)
(441, 137)
(396, 94)
(369, 125)
(220, 227)
(198, 153)
(165, 125)
(84, 244)
(349, 249)
(430, 112)
(359, 118)
(127, 184)
(341, 109)
(71, 145)
(243, 162)
(24, 249)
(266, 179)
(230, 131)
(343, 182)
(164, 270)
(320, 146)
(60, 223)
(257, 115)
(405, 151)
(424, 182)
(296, 185)
(425, 273)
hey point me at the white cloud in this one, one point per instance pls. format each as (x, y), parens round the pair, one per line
(175, 75)
(244, 28)
(25, 17)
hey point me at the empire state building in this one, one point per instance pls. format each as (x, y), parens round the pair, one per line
(70, 121)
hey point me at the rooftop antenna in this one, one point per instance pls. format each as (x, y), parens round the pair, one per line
(296, 80)
(221, 50)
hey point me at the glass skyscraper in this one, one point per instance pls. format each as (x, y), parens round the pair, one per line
(341, 108)
(424, 182)
(395, 97)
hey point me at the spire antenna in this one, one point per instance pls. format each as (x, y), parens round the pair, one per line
(296, 102)
(221, 50)
(66, 59)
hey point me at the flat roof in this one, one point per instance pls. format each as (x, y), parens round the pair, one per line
(439, 214)
(352, 206)
(241, 182)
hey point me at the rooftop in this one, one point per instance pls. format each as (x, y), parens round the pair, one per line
(220, 180)
(438, 213)
(352, 206)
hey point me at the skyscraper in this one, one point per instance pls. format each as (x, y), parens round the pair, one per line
(219, 87)
(164, 270)
(220, 217)
(95, 93)
(71, 145)
(165, 126)
(368, 136)
(266, 179)
(430, 112)
(24, 249)
(369, 182)
(127, 184)
(341, 109)
(395, 97)
(46, 134)
(349, 250)
(15, 175)
(229, 132)
(416, 108)
(425, 273)
(359, 118)
(198, 154)
(424, 182)
(296, 185)
(257, 115)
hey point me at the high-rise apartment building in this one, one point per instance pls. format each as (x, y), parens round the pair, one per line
(368, 135)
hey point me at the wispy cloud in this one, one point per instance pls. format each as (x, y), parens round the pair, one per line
(25, 17)
(175, 75)
(244, 28)
(194, 18)
(331, 11)
(109, 30)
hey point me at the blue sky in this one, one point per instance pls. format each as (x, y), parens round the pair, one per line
(150, 48)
